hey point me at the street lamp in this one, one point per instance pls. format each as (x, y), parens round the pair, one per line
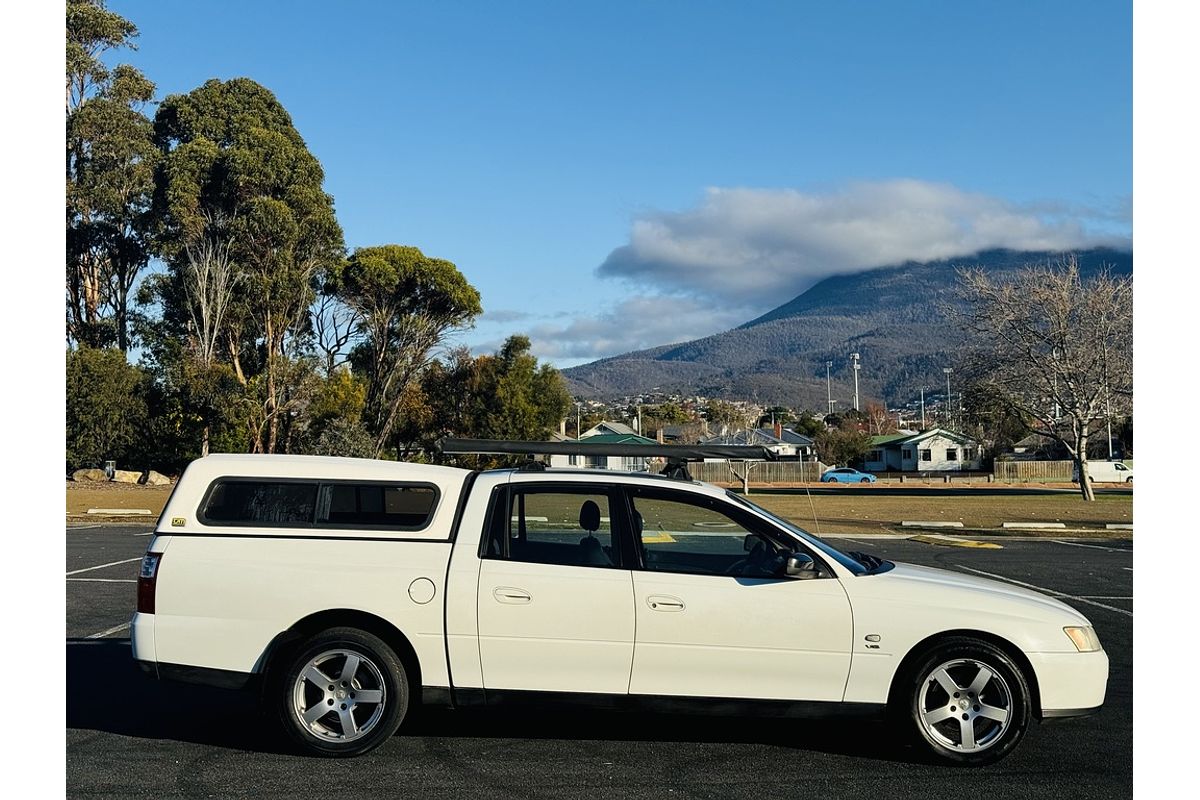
(578, 430)
(947, 370)
(854, 358)
(828, 390)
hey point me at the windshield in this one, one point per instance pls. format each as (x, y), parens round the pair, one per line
(858, 563)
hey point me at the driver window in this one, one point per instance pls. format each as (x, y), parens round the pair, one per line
(686, 535)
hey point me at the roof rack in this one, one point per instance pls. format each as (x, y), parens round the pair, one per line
(677, 456)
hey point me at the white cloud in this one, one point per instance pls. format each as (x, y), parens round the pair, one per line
(762, 247)
(634, 324)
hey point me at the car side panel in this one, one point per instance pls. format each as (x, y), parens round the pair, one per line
(221, 600)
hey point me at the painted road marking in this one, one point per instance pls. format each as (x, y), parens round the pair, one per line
(1091, 546)
(954, 541)
(105, 580)
(1044, 590)
(113, 629)
(102, 566)
(82, 527)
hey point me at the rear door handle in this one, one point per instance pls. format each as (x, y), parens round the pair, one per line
(508, 594)
(664, 602)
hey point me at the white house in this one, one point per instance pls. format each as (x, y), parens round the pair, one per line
(935, 450)
(605, 433)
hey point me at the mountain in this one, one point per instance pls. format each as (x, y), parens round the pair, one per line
(891, 316)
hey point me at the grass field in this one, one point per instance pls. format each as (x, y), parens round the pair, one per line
(877, 511)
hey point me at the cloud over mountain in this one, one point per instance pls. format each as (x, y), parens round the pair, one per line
(762, 246)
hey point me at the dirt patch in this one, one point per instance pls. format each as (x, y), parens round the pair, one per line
(82, 496)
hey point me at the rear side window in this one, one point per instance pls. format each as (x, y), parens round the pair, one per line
(282, 503)
(354, 505)
(260, 503)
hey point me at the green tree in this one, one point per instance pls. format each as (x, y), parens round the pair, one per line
(508, 395)
(237, 179)
(106, 409)
(809, 425)
(842, 446)
(110, 162)
(406, 303)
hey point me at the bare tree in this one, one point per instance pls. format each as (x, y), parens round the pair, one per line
(208, 281)
(336, 326)
(1053, 348)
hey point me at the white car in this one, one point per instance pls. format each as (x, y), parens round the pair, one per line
(350, 590)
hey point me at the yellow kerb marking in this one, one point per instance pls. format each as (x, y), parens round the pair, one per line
(661, 537)
(947, 541)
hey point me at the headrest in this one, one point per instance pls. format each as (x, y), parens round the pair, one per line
(589, 516)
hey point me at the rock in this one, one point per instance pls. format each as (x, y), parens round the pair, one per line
(89, 475)
(126, 476)
(153, 478)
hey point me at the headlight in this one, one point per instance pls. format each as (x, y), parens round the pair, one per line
(1084, 638)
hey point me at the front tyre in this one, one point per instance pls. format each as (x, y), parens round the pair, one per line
(967, 703)
(342, 693)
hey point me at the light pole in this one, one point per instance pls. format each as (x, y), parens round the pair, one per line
(922, 408)
(577, 419)
(947, 370)
(828, 390)
(854, 358)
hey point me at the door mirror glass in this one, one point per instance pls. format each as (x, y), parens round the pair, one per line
(800, 565)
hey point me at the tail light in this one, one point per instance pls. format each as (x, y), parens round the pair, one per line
(147, 579)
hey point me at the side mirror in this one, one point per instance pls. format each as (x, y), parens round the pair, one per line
(801, 565)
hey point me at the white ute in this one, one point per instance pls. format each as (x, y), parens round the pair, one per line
(349, 590)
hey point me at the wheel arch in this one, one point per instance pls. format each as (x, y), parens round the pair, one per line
(923, 647)
(287, 641)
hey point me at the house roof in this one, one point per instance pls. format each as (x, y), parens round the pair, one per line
(891, 438)
(606, 427)
(615, 438)
(957, 437)
(789, 436)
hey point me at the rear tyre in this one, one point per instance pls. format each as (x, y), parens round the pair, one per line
(342, 693)
(865, 480)
(1129, 480)
(965, 702)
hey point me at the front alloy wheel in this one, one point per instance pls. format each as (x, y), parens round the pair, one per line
(969, 703)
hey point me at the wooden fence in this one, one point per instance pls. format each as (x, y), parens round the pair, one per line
(760, 471)
(792, 472)
(1033, 471)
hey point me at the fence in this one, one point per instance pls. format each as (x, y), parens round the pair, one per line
(1033, 471)
(760, 471)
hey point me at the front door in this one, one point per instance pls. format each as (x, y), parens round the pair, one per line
(555, 601)
(715, 617)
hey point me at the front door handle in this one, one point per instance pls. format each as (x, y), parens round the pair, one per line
(508, 594)
(664, 602)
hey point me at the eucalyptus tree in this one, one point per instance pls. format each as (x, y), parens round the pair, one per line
(1053, 350)
(238, 182)
(406, 303)
(110, 162)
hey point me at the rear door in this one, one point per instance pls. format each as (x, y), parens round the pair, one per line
(555, 597)
(715, 616)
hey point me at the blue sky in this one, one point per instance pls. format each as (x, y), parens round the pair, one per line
(618, 175)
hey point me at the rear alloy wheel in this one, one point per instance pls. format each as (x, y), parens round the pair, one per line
(343, 693)
(969, 704)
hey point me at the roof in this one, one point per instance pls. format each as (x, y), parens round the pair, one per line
(600, 439)
(792, 437)
(606, 427)
(880, 441)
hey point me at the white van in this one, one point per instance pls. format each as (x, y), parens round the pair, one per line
(1106, 472)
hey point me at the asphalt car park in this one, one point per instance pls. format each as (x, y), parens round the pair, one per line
(131, 736)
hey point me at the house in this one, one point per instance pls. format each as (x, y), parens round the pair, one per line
(605, 433)
(786, 444)
(935, 450)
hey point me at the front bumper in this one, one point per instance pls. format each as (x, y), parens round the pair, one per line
(1070, 684)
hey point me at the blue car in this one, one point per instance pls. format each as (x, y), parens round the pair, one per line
(846, 475)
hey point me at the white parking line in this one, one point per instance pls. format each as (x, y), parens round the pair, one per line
(105, 580)
(1044, 590)
(102, 566)
(82, 527)
(1092, 546)
(114, 629)
(1105, 597)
